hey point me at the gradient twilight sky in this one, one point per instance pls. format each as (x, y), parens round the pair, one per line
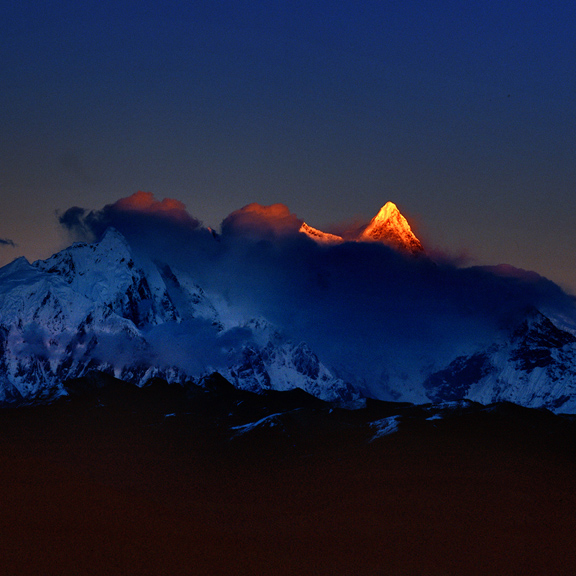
(463, 114)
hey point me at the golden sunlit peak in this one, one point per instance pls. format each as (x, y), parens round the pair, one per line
(390, 227)
(387, 211)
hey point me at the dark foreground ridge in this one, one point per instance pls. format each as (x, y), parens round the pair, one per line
(165, 479)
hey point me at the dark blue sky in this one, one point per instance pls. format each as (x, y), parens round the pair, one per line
(463, 114)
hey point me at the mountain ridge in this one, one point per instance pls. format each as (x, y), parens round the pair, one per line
(387, 227)
(94, 306)
(105, 307)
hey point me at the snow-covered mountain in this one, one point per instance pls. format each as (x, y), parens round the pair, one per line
(534, 367)
(99, 307)
(107, 307)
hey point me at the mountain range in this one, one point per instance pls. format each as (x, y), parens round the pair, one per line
(348, 318)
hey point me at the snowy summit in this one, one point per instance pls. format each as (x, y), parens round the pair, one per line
(390, 227)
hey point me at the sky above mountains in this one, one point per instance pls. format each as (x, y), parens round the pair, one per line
(462, 114)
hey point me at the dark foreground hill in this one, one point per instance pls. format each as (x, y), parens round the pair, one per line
(214, 481)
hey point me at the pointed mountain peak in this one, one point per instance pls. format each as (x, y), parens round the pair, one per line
(319, 236)
(537, 328)
(388, 227)
(17, 271)
(391, 228)
(107, 256)
(113, 238)
(20, 263)
(389, 210)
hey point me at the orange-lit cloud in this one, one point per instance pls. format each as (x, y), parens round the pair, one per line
(140, 211)
(146, 203)
(257, 220)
